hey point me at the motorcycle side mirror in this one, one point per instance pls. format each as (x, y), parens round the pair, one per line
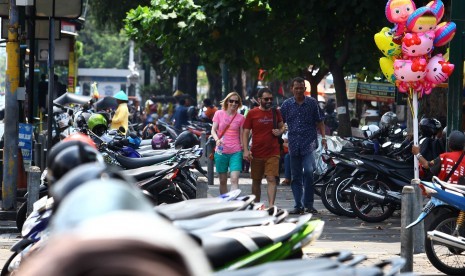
(386, 144)
(364, 128)
(397, 131)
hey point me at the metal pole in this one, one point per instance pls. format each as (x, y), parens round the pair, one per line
(10, 153)
(51, 80)
(32, 52)
(33, 187)
(406, 235)
(203, 141)
(38, 154)
(416, 173)
(454, 96)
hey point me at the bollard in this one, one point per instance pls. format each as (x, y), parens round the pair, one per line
(419, 229)
(406, 235)
(203, 141)
(33, 186)
(210, 167)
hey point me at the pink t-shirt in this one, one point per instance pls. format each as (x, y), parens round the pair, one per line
(231, 139)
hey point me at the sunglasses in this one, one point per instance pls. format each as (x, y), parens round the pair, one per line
(267, 99)
(234, 101)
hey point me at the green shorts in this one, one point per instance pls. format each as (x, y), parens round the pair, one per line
(232, 160)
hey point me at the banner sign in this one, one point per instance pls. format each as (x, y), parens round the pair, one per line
(379, 92)
(25, 143)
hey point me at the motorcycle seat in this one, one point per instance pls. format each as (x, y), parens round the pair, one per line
(133, 163)
(146, 172)
(240, 242)
(201, 207)
(145, 142)
(394, 164)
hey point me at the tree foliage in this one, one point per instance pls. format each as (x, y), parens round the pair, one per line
(282, 37)
(102, 48)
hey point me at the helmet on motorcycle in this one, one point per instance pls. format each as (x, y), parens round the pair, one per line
(370, 129)
(388, 119)
(159, 141)
(429, 126)
(75, 177)
(97, 124)
(67, 155)
(456, 140)
(81, 137)
(186, 140)
(81, 119)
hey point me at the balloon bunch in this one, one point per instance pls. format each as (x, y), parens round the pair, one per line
(408, 46)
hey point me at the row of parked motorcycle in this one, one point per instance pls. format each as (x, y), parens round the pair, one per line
(364, 178)
(115, 204)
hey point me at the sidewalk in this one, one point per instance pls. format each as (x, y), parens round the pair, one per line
(379, 241)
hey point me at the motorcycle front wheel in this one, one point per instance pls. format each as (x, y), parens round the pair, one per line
(448, 260)
(369, 210)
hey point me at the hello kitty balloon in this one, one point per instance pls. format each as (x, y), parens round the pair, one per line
(417, 44)
(409, 73)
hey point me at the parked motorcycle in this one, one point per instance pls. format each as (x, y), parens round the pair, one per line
(445, 239)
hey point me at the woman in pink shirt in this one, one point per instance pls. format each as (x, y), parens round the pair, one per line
(227, 132)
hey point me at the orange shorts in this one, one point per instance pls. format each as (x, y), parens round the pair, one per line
(264, 166)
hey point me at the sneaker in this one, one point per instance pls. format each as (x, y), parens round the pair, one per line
(286, 182)
(311, 210)
(297, 211)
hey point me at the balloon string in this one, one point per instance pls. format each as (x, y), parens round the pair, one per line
(409, 100)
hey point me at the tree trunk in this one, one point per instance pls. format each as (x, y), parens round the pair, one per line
(341, 100)
(187, 81)
(214, 81)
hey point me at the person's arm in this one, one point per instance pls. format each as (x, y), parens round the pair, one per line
(423, 162)
(321, 127)
(118, 117)
(245, 143)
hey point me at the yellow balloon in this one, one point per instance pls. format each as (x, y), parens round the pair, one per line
(387, 66)
(384, 42)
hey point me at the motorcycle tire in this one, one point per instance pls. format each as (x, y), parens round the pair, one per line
(5, 271)
(321, 180)
(189, 192)
(21, 216)
(340, 199)
(369, 210)
(326, 198)
(448, 260)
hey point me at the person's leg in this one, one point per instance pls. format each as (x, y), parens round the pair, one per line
(287, 167)
(271, 172)
(296, 182)
(223, 182)
(308, 165)
(221, 163)
(257, 169)
(235, 166)
(234, 177)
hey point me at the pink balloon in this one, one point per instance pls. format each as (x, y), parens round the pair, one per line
(407, 70)
(438, 70)
(417, 44)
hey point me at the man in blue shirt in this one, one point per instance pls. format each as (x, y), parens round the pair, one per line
(180, 115)
(303, 117)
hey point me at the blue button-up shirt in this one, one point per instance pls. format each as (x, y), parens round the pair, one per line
(301, 122)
